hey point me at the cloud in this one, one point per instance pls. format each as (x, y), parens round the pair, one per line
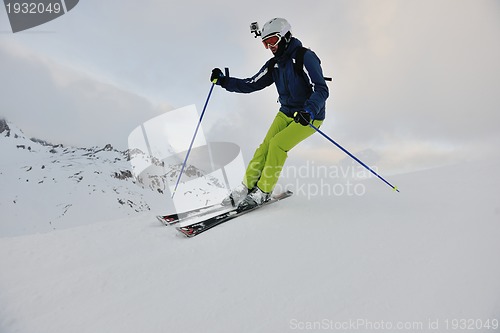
(61, 105)
(426, 67)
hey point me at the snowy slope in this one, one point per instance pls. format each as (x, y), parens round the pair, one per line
(415, 258)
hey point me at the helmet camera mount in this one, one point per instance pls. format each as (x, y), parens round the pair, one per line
(254, 29)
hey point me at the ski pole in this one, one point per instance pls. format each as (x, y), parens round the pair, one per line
(354, 157)
(192, 140)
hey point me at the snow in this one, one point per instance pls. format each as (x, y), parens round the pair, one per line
(309, 263)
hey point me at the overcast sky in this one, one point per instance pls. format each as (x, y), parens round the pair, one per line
(416, 81)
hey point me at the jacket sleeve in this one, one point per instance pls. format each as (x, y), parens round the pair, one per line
(312, 67)
(262, 79)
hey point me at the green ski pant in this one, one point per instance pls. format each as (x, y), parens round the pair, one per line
(265, 167)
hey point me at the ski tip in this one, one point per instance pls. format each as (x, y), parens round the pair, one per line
(167, 219)
(160, 218)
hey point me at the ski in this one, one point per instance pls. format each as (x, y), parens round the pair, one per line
(178, 217)
(197, 228)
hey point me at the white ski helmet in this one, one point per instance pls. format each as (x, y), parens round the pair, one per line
(276, 26)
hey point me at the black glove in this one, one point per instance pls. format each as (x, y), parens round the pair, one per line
(217, 77)
(303, 117)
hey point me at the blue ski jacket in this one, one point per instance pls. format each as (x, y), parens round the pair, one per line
(296, 92)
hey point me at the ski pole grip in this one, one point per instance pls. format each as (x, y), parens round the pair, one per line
(226, 70)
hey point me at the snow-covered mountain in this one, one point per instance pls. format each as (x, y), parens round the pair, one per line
(423, 260)
(50, 186)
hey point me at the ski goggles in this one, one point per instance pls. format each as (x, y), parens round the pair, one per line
(271, 41)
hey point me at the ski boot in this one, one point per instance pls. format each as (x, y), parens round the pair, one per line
(255, 198)
(236, 196)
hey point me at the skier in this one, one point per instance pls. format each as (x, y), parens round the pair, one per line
(302, 95)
